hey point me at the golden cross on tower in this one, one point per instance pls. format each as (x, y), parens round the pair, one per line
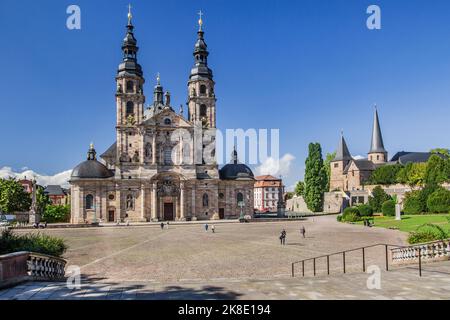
(200, 21)
(130, 16)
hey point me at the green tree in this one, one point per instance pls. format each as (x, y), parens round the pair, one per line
(378, 198)
(439, 201)
(42, 200)
(385, 175)
(57, 213)
(315, 178)
(300, 189)
(443, 151)
(412, 174)
(13, 197)
(289, 195)
(436, 171)
(327, 163)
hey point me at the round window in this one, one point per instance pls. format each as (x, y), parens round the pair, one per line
(111, 197)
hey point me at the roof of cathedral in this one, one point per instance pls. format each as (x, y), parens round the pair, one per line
(342, 153)
(362, 165)
(377, 145)
(54, 190)
(91, 168)
(403, 157)
(235, 170)
(111, 152)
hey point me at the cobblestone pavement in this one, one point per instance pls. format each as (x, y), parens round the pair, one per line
(236, 251)
(399, 284)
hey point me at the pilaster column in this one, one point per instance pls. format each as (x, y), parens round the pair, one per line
(154, 204)
(182, 201)
(193, 202)
(143, 201)
(154, 148)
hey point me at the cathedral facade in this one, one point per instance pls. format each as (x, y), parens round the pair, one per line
(162, 166)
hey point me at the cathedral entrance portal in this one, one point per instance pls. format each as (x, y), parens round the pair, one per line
(168, 212)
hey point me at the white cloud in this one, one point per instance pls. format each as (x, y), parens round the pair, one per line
(61, 178)
(358, 157)
(276, 167)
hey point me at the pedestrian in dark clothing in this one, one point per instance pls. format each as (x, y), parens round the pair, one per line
(206, 227)
(283, 237)
(162, 225)
(303, 231)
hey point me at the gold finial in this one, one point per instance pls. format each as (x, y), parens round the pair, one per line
(200, 21)
(158, 79)
(91, 146)
(130, 16)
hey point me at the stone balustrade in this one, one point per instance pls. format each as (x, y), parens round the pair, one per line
(22, 266)
(429, 252)
(44, 267)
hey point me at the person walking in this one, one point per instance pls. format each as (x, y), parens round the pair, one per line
(206, 227)
(283, 237)
(303, 231)
(213, 229)
(162, 225)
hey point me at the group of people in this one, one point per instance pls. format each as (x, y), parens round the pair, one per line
(284, 234)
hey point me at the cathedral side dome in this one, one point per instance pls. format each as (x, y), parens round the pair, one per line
(235, 170)
(91, 168)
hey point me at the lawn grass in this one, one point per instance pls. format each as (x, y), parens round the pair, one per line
(412, 222)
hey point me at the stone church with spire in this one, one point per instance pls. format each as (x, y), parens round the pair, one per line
(162, 165)
(349, 176)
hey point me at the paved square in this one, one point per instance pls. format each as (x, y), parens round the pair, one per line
(186, 253)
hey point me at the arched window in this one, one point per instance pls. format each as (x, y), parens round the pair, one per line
(205, 200)
(130, 202)
(202, 89)
(130, 86)
(130, 108)
(89, 202)
(240, 197)
(203, 110)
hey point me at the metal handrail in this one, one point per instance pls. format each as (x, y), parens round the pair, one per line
(343, 258)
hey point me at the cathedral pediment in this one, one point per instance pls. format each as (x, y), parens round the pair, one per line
(168, 117)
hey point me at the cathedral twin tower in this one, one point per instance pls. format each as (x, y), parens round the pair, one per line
(130, 80)
(152, 172)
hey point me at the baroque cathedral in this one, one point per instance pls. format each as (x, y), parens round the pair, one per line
(162, 166)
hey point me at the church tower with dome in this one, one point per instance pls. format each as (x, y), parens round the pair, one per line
(162, 166)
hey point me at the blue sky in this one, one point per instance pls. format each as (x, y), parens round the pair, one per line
(310, 68)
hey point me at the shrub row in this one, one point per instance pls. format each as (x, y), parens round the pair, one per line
(33, 242)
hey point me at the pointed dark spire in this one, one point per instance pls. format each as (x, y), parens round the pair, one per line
(377, 145)
(342, 153)
(130, 49)
(200, 68)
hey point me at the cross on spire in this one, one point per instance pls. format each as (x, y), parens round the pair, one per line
(200, 21)
(158, 79)
(130, 16)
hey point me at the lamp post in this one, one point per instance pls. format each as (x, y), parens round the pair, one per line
(241, 205)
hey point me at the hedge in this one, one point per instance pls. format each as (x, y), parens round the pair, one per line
(439, 201)
(388, 208)
(365, 210)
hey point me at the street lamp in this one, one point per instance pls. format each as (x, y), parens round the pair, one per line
(241, 205)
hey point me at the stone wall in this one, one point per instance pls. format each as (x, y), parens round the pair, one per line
(297, 204)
